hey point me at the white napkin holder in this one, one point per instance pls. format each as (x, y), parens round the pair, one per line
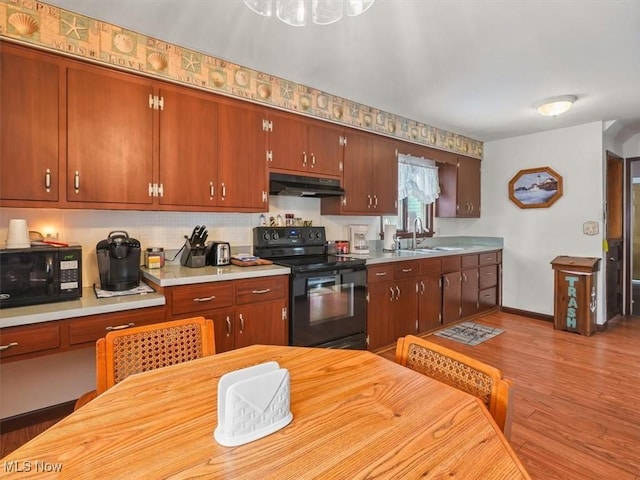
(252, 403)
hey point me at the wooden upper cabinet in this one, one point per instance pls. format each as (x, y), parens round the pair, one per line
(29, 125)
(109, 137)
(460, 189)
(302, 146)
(370, 177)
(188, 148)
(242, 163)
(385, 176)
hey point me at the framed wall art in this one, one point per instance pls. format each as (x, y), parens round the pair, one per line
(535, 188)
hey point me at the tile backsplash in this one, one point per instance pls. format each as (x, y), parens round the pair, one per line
(167, 229)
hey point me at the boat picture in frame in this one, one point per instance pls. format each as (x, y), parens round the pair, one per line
(535, 188)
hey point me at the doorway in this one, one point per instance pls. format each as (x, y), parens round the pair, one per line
(633, 235)
(614, 215)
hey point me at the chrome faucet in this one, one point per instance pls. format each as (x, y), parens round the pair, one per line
(417, 221)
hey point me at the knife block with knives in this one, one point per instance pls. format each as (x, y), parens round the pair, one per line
(194, 253)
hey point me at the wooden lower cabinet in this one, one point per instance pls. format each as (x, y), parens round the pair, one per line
(393, 302)
(38, 339)
(244, 312)
(429, 295)
(470, 285)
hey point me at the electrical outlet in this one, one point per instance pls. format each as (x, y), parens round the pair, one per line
(52, 236)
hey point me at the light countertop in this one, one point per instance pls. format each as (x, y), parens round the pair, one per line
(88, 304)
(173, 275)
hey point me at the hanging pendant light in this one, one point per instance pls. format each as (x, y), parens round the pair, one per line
(296, 12)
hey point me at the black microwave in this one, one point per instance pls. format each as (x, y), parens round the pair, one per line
(30, 276)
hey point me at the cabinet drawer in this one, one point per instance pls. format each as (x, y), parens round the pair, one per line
(205, 296)
(451, 264)
(469, 261)
(488, 276)
(488, 298)
(89, 329)
(379, 273)
(489, 258)
(430, 265)
(260, 289)
(408, 269)
(29, 339)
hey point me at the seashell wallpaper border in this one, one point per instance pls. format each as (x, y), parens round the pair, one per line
(60, 30)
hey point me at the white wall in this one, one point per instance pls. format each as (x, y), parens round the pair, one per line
(631, 147)
(534, 237)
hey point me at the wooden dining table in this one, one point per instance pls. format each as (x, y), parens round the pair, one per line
(356, 415)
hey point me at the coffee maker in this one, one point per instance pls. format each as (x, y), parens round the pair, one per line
(118, 262)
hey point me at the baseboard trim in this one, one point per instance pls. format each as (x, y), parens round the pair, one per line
(35, 417)
(526, 313)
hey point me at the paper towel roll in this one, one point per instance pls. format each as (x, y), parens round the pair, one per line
(389, 234)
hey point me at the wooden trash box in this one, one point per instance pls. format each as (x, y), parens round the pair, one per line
(576, 291)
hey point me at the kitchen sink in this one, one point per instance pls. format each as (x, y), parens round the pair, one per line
(431, 249)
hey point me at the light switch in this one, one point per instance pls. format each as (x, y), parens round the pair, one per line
(590, 228)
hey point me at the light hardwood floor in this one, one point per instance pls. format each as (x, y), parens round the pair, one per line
(576, 400)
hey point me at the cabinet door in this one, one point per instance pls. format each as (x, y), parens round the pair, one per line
(261, 323)
(325, 150)
(451, 297)
(29, 120)
(385, 176)
(223, 326)
(288, 143)
(242, 163)
(380, 329)
(468, 187)
(469, 292)
(188, 148)
(429, 302)
(109, 137)
(405, 309)
(357, 174)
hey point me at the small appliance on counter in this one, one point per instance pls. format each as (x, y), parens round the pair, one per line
(358, 239)
(118, 261)
(35, 275)
(389, 244)
(18, 234)
(194, 253)
(218, 254)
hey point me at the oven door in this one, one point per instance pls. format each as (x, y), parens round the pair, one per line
(327, 306)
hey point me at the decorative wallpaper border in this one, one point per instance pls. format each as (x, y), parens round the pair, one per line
(60, 30)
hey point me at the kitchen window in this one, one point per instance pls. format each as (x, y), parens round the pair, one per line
(418, 189)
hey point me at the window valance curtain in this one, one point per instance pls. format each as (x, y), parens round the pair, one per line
(418, 178)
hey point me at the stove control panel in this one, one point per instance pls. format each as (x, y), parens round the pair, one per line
(288, 236)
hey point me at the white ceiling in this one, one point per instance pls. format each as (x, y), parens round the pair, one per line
(473, 67)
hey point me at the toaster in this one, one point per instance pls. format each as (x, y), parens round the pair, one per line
(218, 253)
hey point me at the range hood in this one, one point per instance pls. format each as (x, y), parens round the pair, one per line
(301, 186)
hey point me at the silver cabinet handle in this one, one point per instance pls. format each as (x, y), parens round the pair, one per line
(120, 327)
(422, 287)
(76, 181)
(204, 299)
(446, 281)
(228, 326)
(8, 346)
(304, 159)
(392, 295)
(398, 295)
(369, 197)
(381, 274)
(241, 323)
(407, 270)
(224, 191)
(464, 278)
(260, 292)
(47, 180)
(313, 160)
(375, 201)
(212, 190)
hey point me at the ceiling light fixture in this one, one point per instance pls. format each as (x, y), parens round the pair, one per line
(555, 106)
(296, 12)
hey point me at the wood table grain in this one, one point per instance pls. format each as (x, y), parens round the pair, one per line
(356, 415)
